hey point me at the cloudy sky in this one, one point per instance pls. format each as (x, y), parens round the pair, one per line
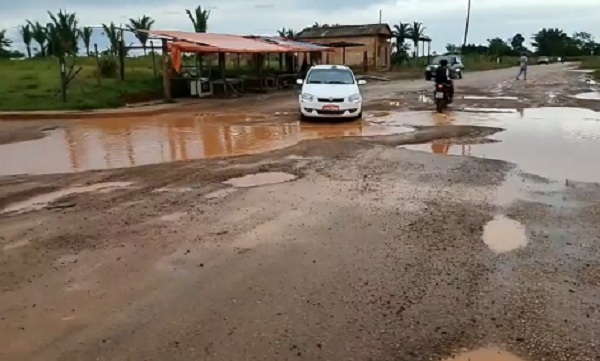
(444, 19)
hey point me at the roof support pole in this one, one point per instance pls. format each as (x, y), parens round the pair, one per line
(165, 71)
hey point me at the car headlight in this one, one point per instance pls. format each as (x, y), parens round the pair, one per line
(354, 98)
(307, 97)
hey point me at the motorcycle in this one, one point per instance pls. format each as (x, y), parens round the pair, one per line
(441, 97)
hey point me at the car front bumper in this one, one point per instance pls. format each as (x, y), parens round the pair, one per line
(344, 110)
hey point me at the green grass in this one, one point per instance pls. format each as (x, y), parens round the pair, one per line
(33, 84)
(592, 62)
(472, 63)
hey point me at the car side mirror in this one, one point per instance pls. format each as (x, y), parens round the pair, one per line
(361, 82)
(299, 81)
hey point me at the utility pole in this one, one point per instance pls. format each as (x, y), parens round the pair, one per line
(467, 24)
(380, 16)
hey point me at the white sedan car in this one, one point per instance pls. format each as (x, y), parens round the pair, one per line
(330, 91)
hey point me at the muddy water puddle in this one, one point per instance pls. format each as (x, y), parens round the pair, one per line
(555, 143)
(127, 142)
(594, 95)
(260, 179)
(503, 234)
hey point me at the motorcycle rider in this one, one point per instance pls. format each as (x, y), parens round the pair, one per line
(442, 76)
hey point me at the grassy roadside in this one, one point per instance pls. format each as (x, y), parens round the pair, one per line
(592, 62)
(33, 84)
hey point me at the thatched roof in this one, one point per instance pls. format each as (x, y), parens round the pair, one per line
(344, 31)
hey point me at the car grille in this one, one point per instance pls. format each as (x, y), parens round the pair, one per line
(330, 100)
(334, 112)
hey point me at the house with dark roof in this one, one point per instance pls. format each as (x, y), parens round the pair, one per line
(361, 46)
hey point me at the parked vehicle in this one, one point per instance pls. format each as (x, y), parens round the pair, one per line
(330, 91)
(455, 65)
(543, 60)
(441, 97)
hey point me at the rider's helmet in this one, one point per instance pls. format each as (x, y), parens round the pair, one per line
(444, 62)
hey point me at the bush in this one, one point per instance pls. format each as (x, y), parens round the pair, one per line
(108, 67)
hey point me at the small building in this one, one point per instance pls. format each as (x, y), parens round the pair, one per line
(359, 46)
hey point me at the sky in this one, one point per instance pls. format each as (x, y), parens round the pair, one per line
(444, 19)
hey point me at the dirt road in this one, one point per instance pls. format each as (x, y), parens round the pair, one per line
(351, 248)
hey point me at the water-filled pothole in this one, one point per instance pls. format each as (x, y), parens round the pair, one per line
(503, 234)
(260, 179)
(588, 96)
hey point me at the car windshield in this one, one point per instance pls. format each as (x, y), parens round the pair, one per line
(330, 76)
(437, 59)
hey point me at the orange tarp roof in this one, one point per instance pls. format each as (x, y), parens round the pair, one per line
(222, 42)
(191, 48)
(225, 43)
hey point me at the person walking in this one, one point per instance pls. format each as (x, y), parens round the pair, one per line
(523, 67)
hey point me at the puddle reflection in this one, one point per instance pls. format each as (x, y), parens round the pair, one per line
(127, 142)
(555, 143)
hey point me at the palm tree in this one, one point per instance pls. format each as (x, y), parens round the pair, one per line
(402, 32)
(417, 31)
(287, 33)
(86, 36)
(113, 34)
(39, 34)
(143, 23)
(25, 31)
(65, 32)
(467, 23)
(199, 19)
(4, 41)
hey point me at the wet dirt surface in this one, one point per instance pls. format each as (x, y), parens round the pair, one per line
(369, 250)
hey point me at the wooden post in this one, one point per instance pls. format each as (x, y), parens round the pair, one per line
(122, 57)
(153, 56)
(365, 61)
(98, 75)
(165, 71)
(63, 81)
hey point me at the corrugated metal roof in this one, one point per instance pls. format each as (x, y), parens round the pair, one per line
(227, 43)
(300, 45)
(339, 31)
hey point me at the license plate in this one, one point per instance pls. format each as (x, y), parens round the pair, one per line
(331, 107)
(439, 95)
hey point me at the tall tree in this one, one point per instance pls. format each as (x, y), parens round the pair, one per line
(467, 23)
(452, 48)
(65, 32)
(86, 36)
(417, 31)
(517, 42)
(498, 47)
(39, 34)
(114, 37)
(585, 42)
(402, 31)
(551, 42)
(143, 23)
(199, 18)
(5, 42)
(27, 36)
(286, 33)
